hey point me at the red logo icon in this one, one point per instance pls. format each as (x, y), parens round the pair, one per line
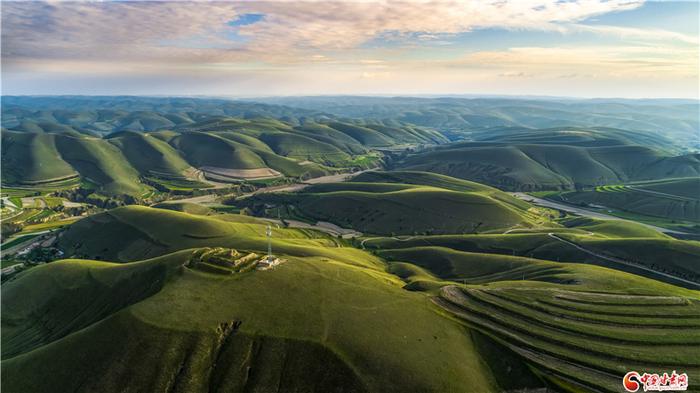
(632, 381)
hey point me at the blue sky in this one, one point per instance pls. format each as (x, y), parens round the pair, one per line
(588, 48)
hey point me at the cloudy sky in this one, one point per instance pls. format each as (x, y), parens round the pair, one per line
(588, 48)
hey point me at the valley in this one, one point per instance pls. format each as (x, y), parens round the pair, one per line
(420, 254)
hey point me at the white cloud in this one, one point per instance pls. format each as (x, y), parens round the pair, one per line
(322, 45)
(198, 31)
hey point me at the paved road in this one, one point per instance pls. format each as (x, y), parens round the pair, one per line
(585, 212)
(623, 262)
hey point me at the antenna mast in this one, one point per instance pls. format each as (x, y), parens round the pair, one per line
(269, 242)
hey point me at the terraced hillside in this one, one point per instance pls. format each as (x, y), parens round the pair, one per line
(218, 148)
(330, 318)
(400, 203)
(586, 339)
(618, 245)
(672, 199)
(531, 167)
(579, 327)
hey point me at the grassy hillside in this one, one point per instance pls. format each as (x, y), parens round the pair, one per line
(101, 163)
(671, 124)
(579, 327)
(532, 167)
(586, 337)
(149, 155)
(329, 318)
(202, 149)
(136, 232)
(29, 158)
(315, 323)
(676, 199)
(384, 206)
(642, 251)
(225, 149)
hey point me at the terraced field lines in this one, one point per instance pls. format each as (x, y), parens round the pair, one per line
(587, 338)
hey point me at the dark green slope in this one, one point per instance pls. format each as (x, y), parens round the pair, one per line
(32, 158)
(124, 162)
(329, 319)
(149, 155)
(326, 134)
(683, 188)
(381, 203)
(673, 200)
(202, 149)
(101, 163)
(135, 232)
(365, 136)
(535, 167)
(633, 243)
(302, 147)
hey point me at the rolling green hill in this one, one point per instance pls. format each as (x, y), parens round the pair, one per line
(136, 232)
(318, 322)
(224, 149)
(32, 158)
(579, 327)
(530, 167)
(149, 155)
(672, 199)
(328, 319)
(384, 205)
(666, 124)
(642, 250)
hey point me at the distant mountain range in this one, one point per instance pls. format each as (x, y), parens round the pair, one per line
(120, 144)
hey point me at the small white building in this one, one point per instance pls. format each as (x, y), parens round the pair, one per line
(268, 262)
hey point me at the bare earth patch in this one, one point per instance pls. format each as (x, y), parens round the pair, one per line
(258, 173)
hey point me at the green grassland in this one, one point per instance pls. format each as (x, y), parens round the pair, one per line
(379, 203)
(185, 207)
(30, 158)
(136, 232)
(533, 167)
(587, 336)
(641, 246)
(129, 161)
(676, 199)
(375, 324)
(316, 323)
(149, 154)
(453, 286)
(579, 327)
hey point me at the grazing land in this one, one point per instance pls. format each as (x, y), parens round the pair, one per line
(136, 234)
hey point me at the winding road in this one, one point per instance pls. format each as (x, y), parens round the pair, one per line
(585, 212)
(623, 262)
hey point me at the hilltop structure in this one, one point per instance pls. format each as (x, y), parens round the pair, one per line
(270, 260)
